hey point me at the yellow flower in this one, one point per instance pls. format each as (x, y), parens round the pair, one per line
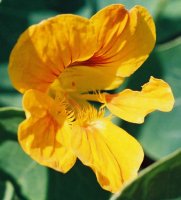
(62, 63)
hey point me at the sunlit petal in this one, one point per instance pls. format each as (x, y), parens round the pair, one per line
(114, 155)
(44, 50)
(133, 106)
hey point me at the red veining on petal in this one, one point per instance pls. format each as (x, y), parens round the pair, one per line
(93, 61)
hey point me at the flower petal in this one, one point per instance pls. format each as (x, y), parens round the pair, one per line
(133, 106)
(125, 38)
(84, 79)
(114, 155)
(40, 135)
(110, 23)
(44, 50)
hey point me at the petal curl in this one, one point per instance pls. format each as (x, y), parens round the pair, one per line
(133, 106)
(114, 155)
(44, 50)
(125, 38)
(40, 135)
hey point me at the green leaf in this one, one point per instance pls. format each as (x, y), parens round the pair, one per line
(160, 134)
(160, 181)
(15, 165)
(9, 120)
(7, 190)
(29, 177)
(2, 188)
(78, 184)
(9, 96)
(168, 20)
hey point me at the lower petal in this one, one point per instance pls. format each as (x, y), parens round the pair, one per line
(114, 155)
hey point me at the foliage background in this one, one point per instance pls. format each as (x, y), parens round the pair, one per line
(23, 179)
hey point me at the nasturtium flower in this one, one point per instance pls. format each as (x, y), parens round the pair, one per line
(65, 62)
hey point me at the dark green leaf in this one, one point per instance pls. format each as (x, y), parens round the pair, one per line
(7, 190)
(15, 165)
(160, 181)
(9, 120)
(78, 184)
(168, 20)
(9, 96)
(29, 178)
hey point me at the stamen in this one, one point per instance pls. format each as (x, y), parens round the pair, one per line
(63, 109)
(96, 96)
(88, 114)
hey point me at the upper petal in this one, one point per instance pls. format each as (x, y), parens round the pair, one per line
(133, 106)
(114, 155)
(44, 50)
(42, 136)
(109, 24)
(125, 38)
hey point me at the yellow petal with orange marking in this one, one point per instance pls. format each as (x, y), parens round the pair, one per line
(125, 38)
(133, 106)
(40, 135)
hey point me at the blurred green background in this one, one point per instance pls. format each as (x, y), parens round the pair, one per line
(20, 177)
